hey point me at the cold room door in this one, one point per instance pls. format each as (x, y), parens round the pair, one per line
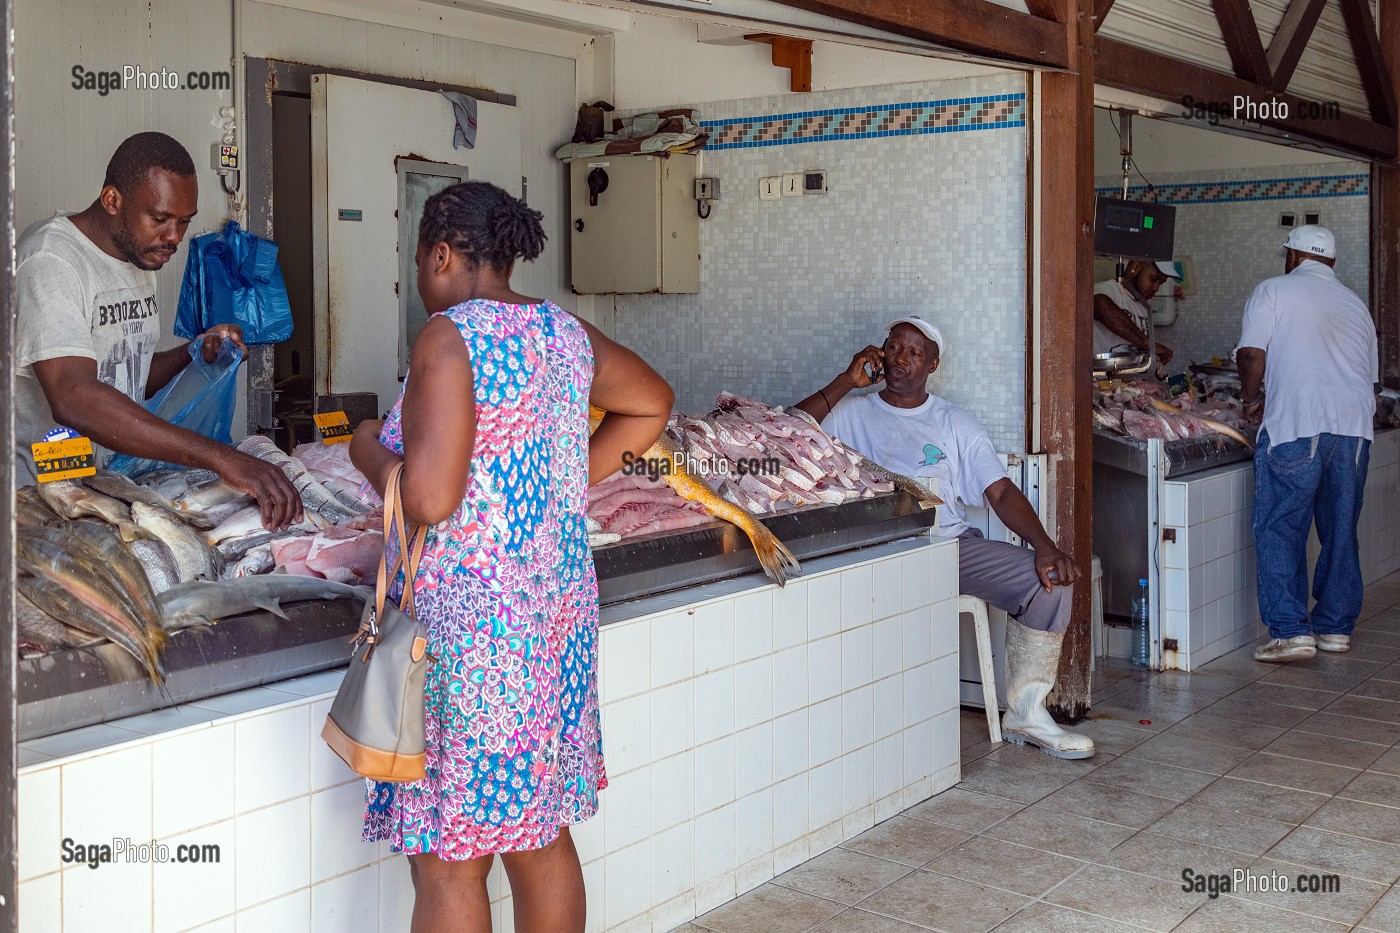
(375, 147)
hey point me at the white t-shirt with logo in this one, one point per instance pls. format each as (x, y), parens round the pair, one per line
(938, 440)
(1321, 358)
(1106, 340)
(72, 299)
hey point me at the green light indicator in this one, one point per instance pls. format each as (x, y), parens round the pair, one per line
(1147, 223)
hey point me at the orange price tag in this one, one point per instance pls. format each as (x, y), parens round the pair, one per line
(66, 459)
(334, 427)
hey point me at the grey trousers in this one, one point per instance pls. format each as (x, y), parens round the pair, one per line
(1004, 575)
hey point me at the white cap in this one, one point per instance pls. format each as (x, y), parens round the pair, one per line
(1168, 269)
(1311, 239)
(925, 328)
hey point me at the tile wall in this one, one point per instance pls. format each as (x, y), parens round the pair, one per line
(747, 728)
(1209, 595)
(1231, 231)
(924, 217)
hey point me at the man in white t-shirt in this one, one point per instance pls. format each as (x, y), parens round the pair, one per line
(1121, 309)
(87, 325)
(905, 429)
(1310, 342)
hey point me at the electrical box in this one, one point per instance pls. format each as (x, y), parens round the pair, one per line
(634, 225)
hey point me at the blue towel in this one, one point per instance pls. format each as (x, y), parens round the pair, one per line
(464, 133)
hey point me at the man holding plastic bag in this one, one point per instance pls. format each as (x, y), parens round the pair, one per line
(87, 325)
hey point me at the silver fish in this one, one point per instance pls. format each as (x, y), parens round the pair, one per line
(315, 496)
(41, 634)
(158, 563)
(175, 484)
(119, 487)
(194, 559)
(233, 549)
(257, 560)
(212, 495)
(74, 500)
(248, 521)
(203, 602)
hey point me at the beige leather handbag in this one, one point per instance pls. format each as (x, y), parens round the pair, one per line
(376, 721)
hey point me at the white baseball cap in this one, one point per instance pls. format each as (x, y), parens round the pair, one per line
(1168, 269)
(1311, 239)
(925, 328)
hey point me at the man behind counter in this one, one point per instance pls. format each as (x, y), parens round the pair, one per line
(87, 325)
(906, 429)
(1121, 308)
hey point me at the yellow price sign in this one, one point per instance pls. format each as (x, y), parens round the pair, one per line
(65, 459)
(334, 427)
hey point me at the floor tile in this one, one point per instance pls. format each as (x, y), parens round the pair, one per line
(1266, 800)
(999, 779)
(1047, 918)
(1347, 753)
(1193, 754)
(1270, 692)
(1112, 736)
(1237, 832)
(1257, 712)
(1135, 899)
(1028, 757)
(1046, 828)
(1109, 803)
(1232, 915)
(1139, 774)
(1346, 855)
(908, 841)
(770, 908)
(981, 749)
(1164, 857)
(1373, 787)
(1294, 675)
(1005, 865)
(1366, 708)
(1208, 728)
(1349, 727)
(1385, 915)
(964, 810)
(1347, 904)
(1296, 773)
(1389, 763)
(1239, 663)
(1356, 818)
(1203, 683)
(1380, 689)
(860, 921)
(944, 903)
(842, 875)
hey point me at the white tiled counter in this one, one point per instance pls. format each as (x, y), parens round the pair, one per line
(1209, 594)
(746, 728)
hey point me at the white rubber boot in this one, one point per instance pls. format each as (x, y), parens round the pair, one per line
(1032, 659)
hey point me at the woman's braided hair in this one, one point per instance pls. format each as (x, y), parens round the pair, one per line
(483, 223)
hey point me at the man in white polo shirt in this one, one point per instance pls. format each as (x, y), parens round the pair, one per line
(906, 429)
(1310, 342)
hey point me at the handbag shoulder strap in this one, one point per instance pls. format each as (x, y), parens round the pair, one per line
(410, 548)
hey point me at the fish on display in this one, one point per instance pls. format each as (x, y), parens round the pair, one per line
(119, 487)
(234, 548)
(176, 483)
(194, 559)
(217, 493)
(256, 560)
(71, 499)
(123, 563)
(315, 497)
(203, 602)
(248, 521)
(41, 634)
(30, 510)
(158, 563)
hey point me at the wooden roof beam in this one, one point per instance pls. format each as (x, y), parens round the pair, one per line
(977, 27)
(1291, 38)
(1370, 60)
(793, 54)
(1101, 8)
(1242, 40)
(1156, 75)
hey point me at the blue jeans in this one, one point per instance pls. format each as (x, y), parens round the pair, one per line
(1320, 479)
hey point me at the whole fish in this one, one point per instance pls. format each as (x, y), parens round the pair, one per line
(123, 563)
(234, 549)
(119, 487)
(158, 563)
(257, 560)
(194, 559)
(41, 634)
(315, 496)
(65, 555)
(30, 510)
(248, 521)
(74, 500)
(81, 614)
(916, 489)
(175, 484)
(1222, 429)
(203, 602)
(209, 496)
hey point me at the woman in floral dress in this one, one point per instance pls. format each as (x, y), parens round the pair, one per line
(492, 428)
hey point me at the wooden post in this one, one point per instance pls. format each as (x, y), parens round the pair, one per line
(1385, 219)
(1062, 275)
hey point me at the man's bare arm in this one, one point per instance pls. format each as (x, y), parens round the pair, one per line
(1251, 362)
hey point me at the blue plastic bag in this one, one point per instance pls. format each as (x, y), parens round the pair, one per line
(200, 398)
(232, 277)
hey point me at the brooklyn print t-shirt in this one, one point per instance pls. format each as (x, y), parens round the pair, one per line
(72, 299)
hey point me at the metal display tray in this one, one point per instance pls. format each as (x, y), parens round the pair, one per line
(83, 686)
(1190, 455)
(660, 563)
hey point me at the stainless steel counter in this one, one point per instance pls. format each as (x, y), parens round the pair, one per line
(1190, 455)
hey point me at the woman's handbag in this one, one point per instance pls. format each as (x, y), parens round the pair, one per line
(376, 721)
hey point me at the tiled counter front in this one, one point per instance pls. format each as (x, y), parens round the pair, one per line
(746, 729)
(1209, 596)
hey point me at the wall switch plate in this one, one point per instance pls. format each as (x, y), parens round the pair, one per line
(792, 185)
(814, 182)
(770, 188)
(707, 189)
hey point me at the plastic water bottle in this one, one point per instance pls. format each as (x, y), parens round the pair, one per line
(1142, 645)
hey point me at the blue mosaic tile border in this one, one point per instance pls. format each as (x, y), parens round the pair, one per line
(1259, 189)
(955, 115)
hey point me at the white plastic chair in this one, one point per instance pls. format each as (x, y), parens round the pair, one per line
(977, 608)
